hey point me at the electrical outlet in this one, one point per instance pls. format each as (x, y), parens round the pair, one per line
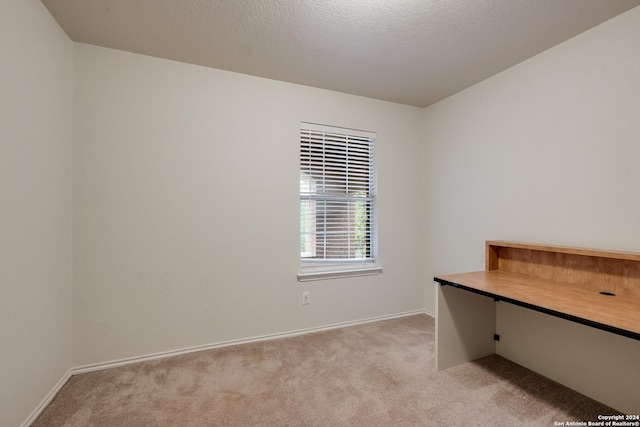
(306, 297)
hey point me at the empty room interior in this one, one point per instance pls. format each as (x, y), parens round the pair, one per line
(161, 197)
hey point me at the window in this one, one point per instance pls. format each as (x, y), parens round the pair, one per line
(337, 202)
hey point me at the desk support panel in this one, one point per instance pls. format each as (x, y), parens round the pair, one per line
(465, 326)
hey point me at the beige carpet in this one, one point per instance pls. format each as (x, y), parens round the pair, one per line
(378, 374)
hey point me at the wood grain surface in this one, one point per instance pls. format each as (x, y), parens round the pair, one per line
(622, 312)
(594, 270)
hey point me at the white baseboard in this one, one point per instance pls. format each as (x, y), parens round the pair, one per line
(48, 398)
(171, 353)
(161, 355)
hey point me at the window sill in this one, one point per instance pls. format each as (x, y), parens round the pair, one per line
(337, 274)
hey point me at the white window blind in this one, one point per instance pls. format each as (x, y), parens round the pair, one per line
(337, 198)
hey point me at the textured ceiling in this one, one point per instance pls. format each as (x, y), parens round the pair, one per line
(414, 52)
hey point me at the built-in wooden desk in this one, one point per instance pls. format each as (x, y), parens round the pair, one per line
(619, 314)
(592, 287)
(600, 289)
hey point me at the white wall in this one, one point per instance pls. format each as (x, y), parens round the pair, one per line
(547, 152)
(185, 194)
(35, 206)
(186, 207)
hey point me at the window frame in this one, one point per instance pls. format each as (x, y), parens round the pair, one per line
(327, 268)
